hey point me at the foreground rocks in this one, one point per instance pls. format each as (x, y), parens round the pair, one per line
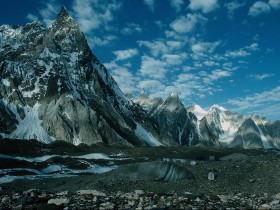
(138, 199)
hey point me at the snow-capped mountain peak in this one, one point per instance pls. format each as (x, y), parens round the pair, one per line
(197, 111)
(174, 95)
(143, 94)
(173, 103)
(217, 107)
(50, 75)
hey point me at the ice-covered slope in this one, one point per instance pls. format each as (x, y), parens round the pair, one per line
(197, 111)
(53, 87)
(219, 125)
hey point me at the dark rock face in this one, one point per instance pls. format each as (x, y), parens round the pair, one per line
(273, 131)
(53, 87)
(172, 116)
(247, 136)
(208, 137)
(219, 126)
(148, 104)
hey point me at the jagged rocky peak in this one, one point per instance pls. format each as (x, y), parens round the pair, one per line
(129, 96)
(218, 108)
(197, 110)
(64, 18)
(149, 104)
(174, 95)
(53, 87)
(143, 94)
(173, 103)
(248, 136)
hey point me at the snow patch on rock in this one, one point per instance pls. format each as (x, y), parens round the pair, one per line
(146, 136)
(30, 127)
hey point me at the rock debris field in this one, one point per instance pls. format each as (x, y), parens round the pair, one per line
(138, 178)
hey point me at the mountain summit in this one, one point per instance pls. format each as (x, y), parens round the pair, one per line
(53, 87)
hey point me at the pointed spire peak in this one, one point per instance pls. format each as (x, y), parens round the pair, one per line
(173, 102)
(64, 21)
(174, 95)
(216, 106)
(129, 95)
(64, 18)
(63, 11)
(143, 94)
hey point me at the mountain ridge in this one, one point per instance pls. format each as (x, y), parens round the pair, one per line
(53, 87)
(219, 126)
(76, 99)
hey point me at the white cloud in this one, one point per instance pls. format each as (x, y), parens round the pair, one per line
(243, 52)
(260, 76)
(175, 45)
(105, 41)
(153, 68)
(202, 50)
(275, 4)
(92, 14)
(205, 47)
(125, 54)
(262, 103)
(47, 13)
(210, 63)
(177, 4)
(174, 59)
(186, 24)
(32, 17)
(124, 78)
(131, 28)
(253, 47)
(205, 6)
(150, 4)
(258, 8)
(216, 75)
(238, 53)
(156, 47)
(232, 7)
(151, 85)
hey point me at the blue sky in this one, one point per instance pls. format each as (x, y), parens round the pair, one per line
(208, 51)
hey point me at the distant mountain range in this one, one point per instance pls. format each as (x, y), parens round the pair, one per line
(216, 127)
(52, 87)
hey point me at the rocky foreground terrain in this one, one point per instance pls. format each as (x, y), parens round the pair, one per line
(136, 178)
(138, 199)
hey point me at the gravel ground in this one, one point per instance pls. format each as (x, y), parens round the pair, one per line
(256, 175)
(168, 178)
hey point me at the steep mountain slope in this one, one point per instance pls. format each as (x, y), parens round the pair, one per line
(53, 87)
(172, 116)
(219, 126)
(248, 136)
(197, 111)
(215, 127)
(272, 133)
(147, 103)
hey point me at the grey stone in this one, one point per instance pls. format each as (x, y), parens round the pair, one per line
(277, 196)
(193, 163)
(91, 192)
(264, 207)
(59, 201)
(211, 176)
